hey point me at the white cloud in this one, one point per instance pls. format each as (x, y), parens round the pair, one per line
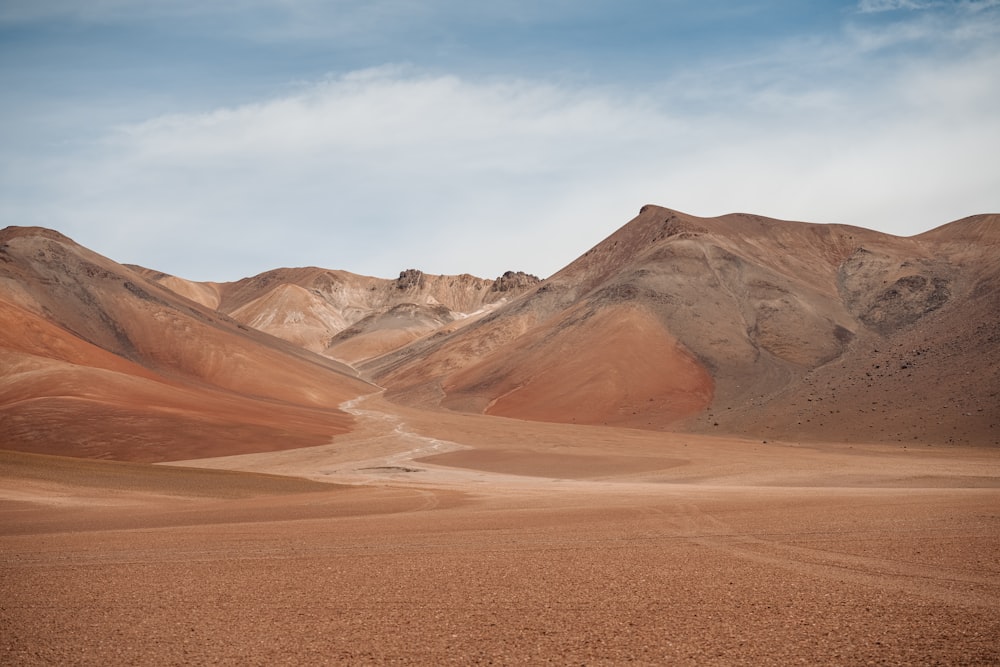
(871, 6)
(386, 164)
(964, 26)
(384, 169)
(876, 6)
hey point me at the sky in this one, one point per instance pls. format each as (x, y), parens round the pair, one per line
(216, 140)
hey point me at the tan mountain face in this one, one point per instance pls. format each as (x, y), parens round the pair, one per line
(99, 362)
(739, 324)
(346, 316)
(785, 329)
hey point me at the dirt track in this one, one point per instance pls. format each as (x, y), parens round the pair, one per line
(893, 557)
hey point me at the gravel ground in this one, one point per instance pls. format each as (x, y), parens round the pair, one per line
(593, 574)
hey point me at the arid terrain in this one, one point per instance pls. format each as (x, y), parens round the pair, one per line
(729, 440)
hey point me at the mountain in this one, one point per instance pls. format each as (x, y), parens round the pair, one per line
(97, 361)
(739, 324)
(346, 316)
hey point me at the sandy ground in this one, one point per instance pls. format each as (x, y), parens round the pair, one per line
(431, 538)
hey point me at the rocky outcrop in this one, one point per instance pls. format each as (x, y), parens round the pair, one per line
(410, 279)
(887, 294)
(317, 309)
(514, 281)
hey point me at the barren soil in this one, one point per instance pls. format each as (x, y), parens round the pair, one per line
(434, 538)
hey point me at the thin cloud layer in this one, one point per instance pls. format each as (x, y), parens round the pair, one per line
(889, 125)
(431, 158)
(872, 6)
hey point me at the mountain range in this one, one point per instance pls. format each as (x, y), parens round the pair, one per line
(739, 325)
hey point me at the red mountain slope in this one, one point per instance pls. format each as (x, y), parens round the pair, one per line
(97, 361)
(762, 312)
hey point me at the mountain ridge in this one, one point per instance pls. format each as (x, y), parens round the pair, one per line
(97, 361)
(741, 325)
(760, 303)
(313, 307)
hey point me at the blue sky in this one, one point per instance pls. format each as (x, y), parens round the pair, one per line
(217, 140)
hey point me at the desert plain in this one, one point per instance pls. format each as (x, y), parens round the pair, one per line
(571, 471)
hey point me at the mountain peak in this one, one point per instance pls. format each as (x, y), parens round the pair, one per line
(14, 232)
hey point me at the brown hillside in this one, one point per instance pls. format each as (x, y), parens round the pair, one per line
(767, 308)
(738, 324)
(98, 361)
(387, 330)
(588, 367)
(320, 309)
